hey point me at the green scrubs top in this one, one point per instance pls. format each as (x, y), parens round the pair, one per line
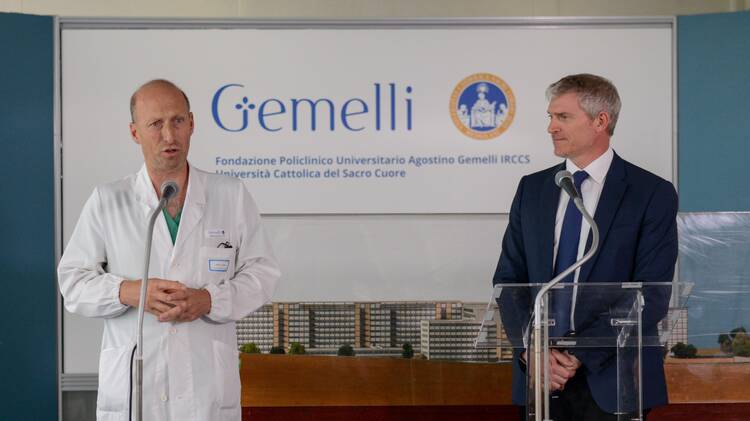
(172, 224)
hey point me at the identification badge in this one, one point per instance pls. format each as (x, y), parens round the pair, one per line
(216, 233)
(218, 265)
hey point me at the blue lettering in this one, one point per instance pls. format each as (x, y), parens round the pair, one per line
(377, 106)
(393, 105)
(345, 114)
(384, 104)
(408, 109)
(313, 110)
(243, 107)
(262, 114)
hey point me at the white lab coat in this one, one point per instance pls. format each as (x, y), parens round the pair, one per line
(190, 369)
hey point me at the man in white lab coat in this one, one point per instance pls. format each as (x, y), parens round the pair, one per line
(211, 265)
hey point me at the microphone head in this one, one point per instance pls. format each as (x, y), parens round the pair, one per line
(561, 175)
(169, 189)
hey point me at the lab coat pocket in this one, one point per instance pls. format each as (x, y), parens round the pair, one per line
(217, 265)
(114, 380)
(227, 375)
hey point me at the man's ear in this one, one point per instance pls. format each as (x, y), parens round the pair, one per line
(601, 122)
(134, 133)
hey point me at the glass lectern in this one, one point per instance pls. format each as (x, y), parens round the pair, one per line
(612, 324)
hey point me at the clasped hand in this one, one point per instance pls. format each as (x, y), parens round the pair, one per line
(167, 300)
(562, 367)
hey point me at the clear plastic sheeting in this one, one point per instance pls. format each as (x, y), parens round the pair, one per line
(714, 255)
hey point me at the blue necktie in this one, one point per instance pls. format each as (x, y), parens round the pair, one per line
(567, 254)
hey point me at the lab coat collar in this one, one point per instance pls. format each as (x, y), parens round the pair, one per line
(145, 192)
(146, 195)
(192, 209)
(194, 206)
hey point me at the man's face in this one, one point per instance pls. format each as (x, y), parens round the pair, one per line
(163, 126)
(575, 135)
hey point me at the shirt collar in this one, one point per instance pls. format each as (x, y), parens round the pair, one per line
(597, 169)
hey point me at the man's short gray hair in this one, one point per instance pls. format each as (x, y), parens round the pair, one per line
(162, 82)
(595, 95)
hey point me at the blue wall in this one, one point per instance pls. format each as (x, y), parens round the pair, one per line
(713, 56)
(28, 323)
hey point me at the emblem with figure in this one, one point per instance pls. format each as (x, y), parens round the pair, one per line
(482, 106)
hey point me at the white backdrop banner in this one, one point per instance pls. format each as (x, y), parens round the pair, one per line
(328, 127)
(361, 121)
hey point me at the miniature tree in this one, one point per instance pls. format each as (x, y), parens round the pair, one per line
(733, 333)
(277, 350)
(725, 343)
(741, 344)
(250, 348)
(736, 342)
(680, 350)
(408, 350)
(346, 350)
(296, 348)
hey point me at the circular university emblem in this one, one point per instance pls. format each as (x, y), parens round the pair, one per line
(482, 106)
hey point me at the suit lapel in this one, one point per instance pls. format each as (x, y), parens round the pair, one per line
(609, 202)
(550, 199)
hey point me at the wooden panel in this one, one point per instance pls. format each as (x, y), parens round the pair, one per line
(301, 380)
(697, 411)
(382, 413)
(708, 380)
(679, 412)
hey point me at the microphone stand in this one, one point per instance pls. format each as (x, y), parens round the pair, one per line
(141, 307)
(537, 314)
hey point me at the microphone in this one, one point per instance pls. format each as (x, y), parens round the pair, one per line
(169, 190)
(564, 180)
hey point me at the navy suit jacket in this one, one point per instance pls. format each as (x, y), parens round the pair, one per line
(636, 215)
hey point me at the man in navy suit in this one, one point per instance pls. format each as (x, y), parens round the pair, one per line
(635, 211)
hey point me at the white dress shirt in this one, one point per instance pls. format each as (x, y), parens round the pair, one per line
(591, 189)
